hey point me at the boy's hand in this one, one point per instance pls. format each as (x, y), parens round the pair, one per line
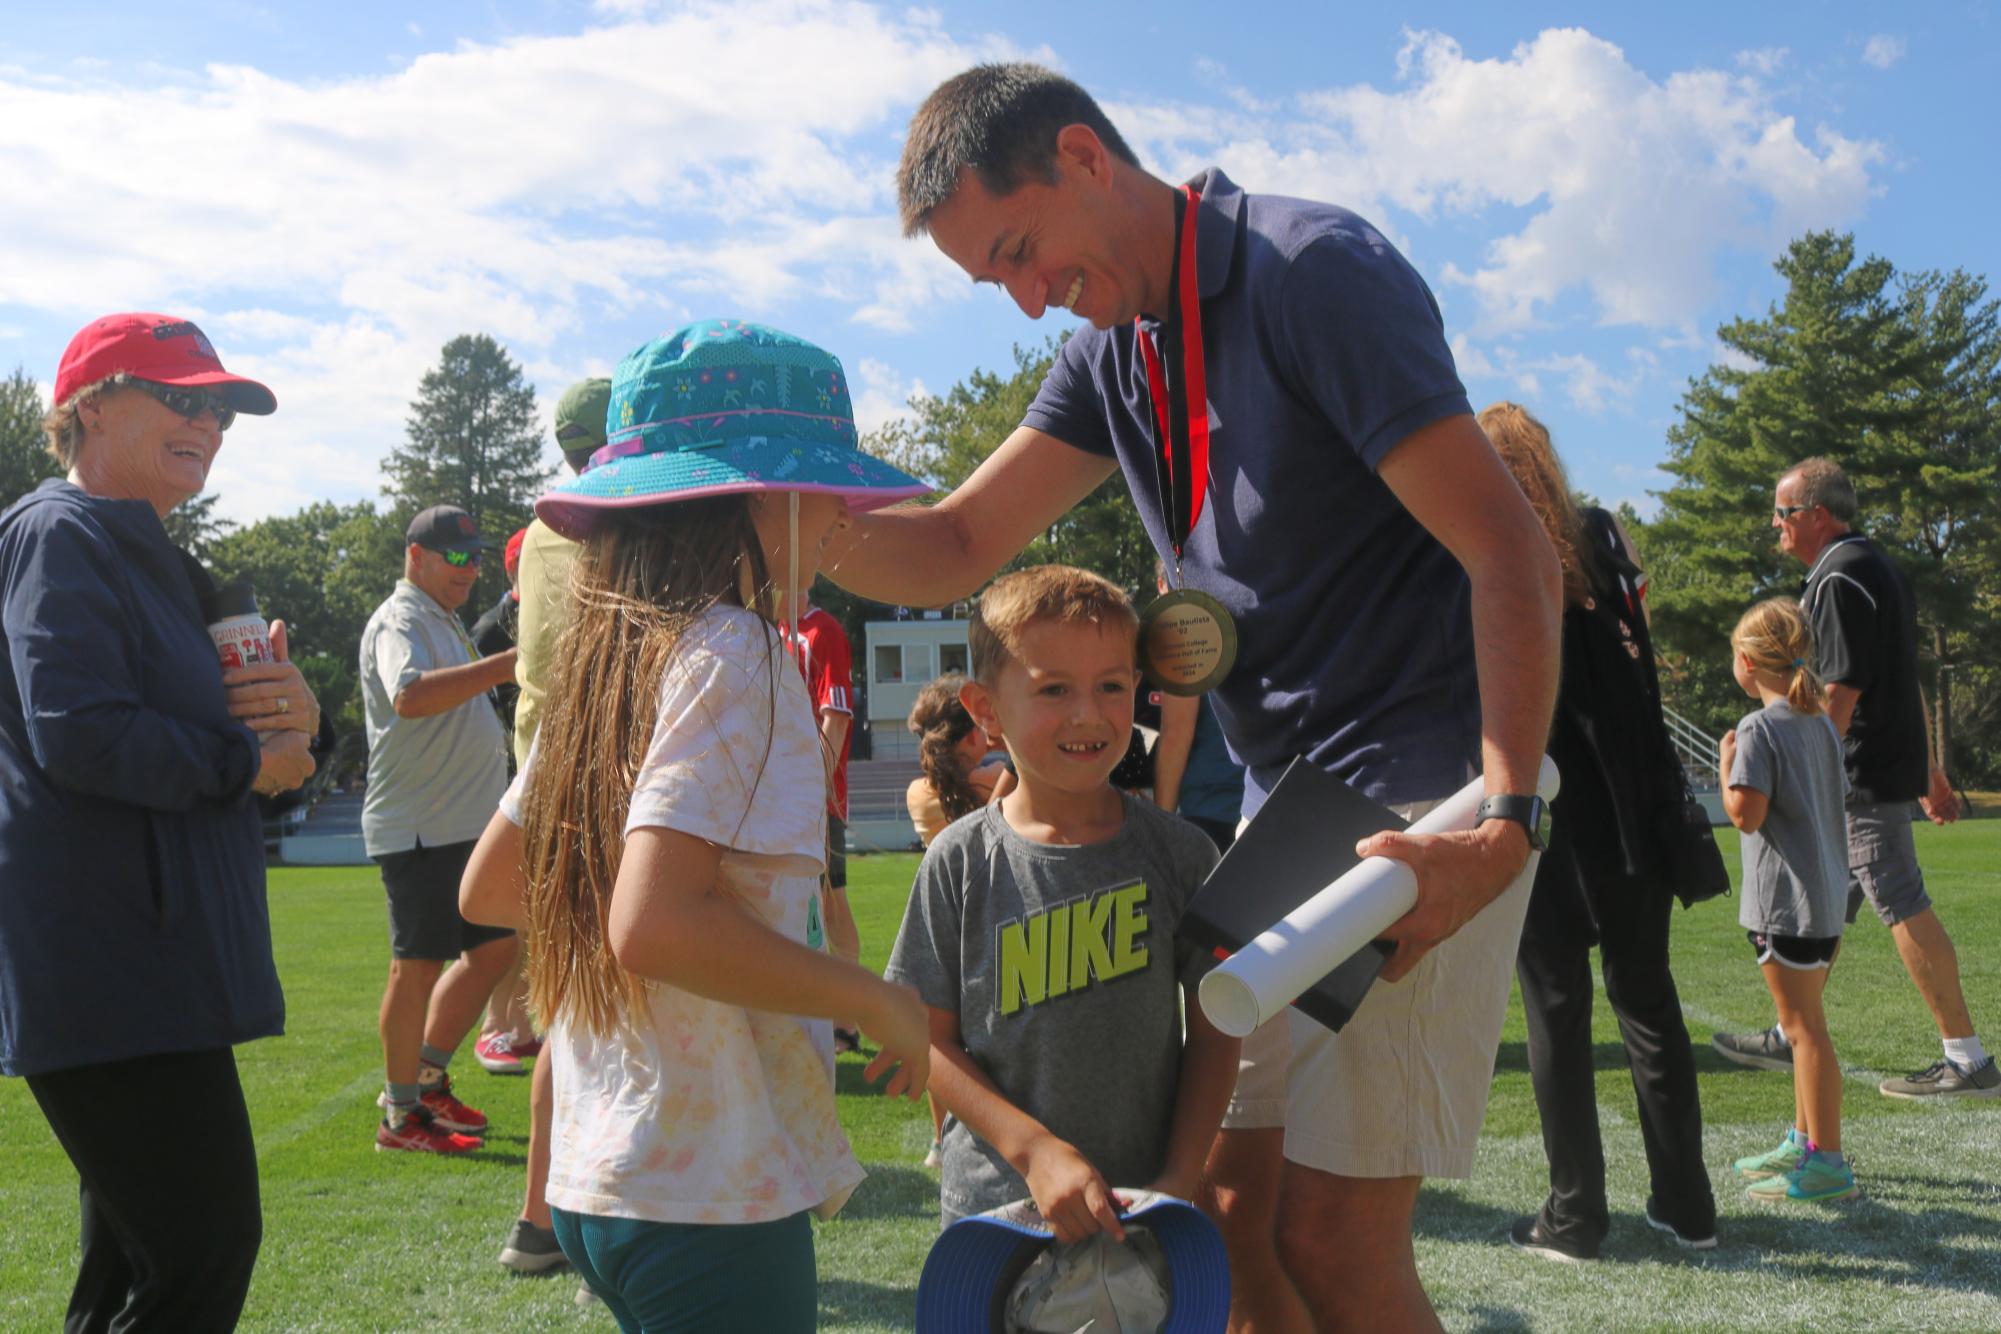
(900, 1024)
(1073, 1198)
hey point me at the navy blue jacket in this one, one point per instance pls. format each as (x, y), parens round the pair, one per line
(132, 910)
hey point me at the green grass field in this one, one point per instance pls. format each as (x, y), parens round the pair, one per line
(356, 1240)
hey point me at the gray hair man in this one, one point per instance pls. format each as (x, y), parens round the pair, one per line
(1865, 634)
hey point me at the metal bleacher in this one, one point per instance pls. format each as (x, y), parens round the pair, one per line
(1699, 757)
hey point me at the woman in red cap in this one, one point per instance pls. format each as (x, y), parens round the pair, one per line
(135, 945)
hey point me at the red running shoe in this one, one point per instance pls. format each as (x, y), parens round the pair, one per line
(498, 1055)
(450, 1113)
(420, 1133)
(525, 1048)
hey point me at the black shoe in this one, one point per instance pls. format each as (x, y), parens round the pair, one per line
(1762, 1050)
(847, 1039)
(1705, 1242)
(531, 1249)
(1527, 1235)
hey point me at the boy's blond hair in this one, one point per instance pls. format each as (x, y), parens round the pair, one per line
(1014, 602)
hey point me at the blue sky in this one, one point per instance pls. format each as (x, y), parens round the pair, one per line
(334, 191)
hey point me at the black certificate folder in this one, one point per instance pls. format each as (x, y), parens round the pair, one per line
(1302, 840)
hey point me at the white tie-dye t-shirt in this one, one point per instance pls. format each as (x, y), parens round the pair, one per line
(695, 1111)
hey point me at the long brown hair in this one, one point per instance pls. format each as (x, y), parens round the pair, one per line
(1524, 445)
(1775, 636)
(941, 723)
(641, 579)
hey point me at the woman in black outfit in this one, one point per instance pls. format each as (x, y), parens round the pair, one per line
(1601, 883)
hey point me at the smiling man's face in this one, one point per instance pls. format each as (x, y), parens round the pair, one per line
(1067, 244)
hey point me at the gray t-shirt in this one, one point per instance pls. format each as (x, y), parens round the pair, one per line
(1063, 967)
(433, 780)
(1796, 865)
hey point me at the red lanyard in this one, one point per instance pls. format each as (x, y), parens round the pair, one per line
(1184, 455)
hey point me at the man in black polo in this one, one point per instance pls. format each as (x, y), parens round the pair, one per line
(1865, 632)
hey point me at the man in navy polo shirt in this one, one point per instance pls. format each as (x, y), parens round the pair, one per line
(1385, 575)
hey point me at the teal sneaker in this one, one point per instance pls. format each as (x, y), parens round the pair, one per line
(1773, 1162)
(1813, 1180)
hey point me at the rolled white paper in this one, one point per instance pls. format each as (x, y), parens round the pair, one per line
(1268, 974)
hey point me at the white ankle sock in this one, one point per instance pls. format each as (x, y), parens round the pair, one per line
(1966, 1053)
(1780, 1033)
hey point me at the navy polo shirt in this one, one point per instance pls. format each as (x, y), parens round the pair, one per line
(1323, 350)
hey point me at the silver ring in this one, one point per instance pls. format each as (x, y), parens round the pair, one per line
(284, 704)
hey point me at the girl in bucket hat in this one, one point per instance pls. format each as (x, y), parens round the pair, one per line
(662, 846)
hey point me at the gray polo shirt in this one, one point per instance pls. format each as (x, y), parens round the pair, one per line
(433, 780)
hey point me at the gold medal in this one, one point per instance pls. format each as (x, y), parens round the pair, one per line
(1187, 642)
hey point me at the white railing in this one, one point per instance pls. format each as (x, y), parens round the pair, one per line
(1696, 749)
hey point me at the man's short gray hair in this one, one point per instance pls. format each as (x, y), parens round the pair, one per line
(64, 423)
(1820, 481)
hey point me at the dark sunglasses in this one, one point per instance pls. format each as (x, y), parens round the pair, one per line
(460, 559)
(1784, 512)
(190, 403)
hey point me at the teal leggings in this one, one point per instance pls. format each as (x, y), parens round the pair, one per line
(696, 1278)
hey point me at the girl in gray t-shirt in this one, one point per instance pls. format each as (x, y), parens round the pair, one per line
(1783, 787)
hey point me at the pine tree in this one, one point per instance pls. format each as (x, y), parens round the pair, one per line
(472, 440)
(1896, 379)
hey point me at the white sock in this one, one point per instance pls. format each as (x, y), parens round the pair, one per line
(1966, 1053)
(1780, 1033)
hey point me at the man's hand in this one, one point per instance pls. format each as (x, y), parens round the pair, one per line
(1457, 875)
(1073, 1198)
(273, 696)
(284, 761)
(1941, 803)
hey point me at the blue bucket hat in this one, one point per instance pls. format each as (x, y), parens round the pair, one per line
(719, 407)
(1004, 1271)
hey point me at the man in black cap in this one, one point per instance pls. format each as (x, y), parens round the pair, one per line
(436, 768)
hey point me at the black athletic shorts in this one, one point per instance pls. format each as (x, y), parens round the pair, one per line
(837, 851)
(424, 921)
(1801, 952)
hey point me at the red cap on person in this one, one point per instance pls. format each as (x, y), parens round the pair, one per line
(510, 555)
(162, 348)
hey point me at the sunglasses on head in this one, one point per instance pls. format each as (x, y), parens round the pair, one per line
(460, 559)
(190, 403)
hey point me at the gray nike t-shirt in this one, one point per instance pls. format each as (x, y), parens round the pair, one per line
(1062, 965)
(1796, 865)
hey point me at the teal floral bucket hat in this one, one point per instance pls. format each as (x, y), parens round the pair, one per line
(719, 407)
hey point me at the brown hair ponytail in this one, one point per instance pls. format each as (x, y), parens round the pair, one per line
(941, 723)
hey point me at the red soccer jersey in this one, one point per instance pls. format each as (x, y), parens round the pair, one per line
(828, 662)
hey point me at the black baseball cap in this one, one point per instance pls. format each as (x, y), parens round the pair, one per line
(446, 528)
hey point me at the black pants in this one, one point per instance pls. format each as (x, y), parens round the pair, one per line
(1554, 967)
(171, 1219)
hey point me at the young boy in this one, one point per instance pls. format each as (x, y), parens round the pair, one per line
(1041, 934)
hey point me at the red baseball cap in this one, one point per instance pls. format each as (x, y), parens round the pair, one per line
(510, 555)
(160, 348)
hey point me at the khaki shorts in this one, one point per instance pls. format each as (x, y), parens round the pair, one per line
(1883, 862)
(1402, 1089)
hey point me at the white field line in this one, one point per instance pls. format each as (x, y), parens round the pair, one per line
(332, 1106)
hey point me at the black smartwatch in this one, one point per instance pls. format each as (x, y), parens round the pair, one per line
(1530, 812)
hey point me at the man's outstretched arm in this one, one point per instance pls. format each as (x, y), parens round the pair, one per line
(1451, 480)
(927, 556)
